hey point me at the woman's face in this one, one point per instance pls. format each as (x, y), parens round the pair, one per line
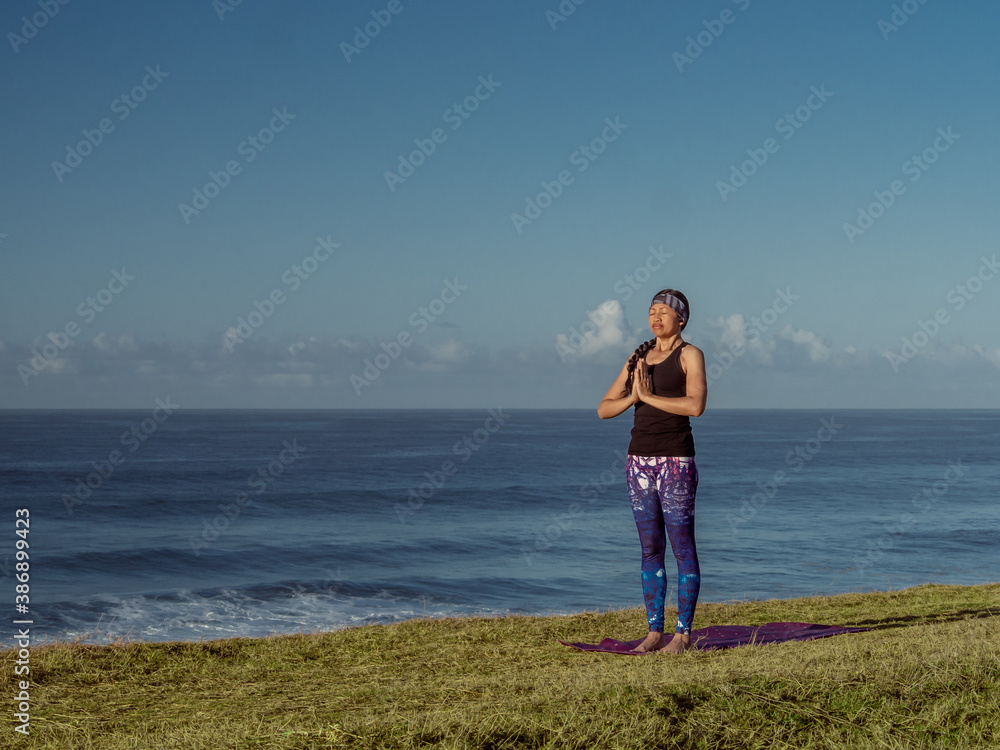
(663, 320)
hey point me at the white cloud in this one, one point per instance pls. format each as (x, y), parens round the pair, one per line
(788, 348)
(990, 355)
(115, 345)
(443, 356)
(735, 334)
(817, 349)
(605, 334)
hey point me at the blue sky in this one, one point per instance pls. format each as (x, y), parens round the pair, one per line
(475, 205)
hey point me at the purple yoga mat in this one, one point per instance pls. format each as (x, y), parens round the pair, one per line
(727, 636)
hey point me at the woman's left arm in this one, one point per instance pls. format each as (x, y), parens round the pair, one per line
(691, 405)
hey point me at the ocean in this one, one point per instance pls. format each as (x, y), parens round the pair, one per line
(172, 524)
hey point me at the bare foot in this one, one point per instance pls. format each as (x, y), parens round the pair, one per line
(653, 642)
(678, 645)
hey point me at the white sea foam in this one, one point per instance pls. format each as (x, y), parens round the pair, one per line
(230, 613)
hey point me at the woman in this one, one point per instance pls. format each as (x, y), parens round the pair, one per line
(665, 380)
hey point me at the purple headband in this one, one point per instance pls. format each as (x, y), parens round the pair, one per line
(674, 303)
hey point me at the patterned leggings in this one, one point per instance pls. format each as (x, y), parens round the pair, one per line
(662, 490)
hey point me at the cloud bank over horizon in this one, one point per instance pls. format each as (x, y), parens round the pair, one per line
(573, 370)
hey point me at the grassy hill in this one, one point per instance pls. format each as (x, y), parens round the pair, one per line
(927, 676)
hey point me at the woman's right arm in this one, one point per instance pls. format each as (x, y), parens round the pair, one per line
(613, 402)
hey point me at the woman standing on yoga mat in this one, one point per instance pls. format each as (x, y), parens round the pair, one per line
(665, 380)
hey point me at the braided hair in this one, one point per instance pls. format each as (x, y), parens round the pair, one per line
(645, 346)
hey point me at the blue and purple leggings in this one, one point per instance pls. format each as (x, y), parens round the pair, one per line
(662, 490)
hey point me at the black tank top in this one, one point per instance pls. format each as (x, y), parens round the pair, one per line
(659, 433)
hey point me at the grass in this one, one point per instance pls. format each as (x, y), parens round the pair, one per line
(927, 676)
